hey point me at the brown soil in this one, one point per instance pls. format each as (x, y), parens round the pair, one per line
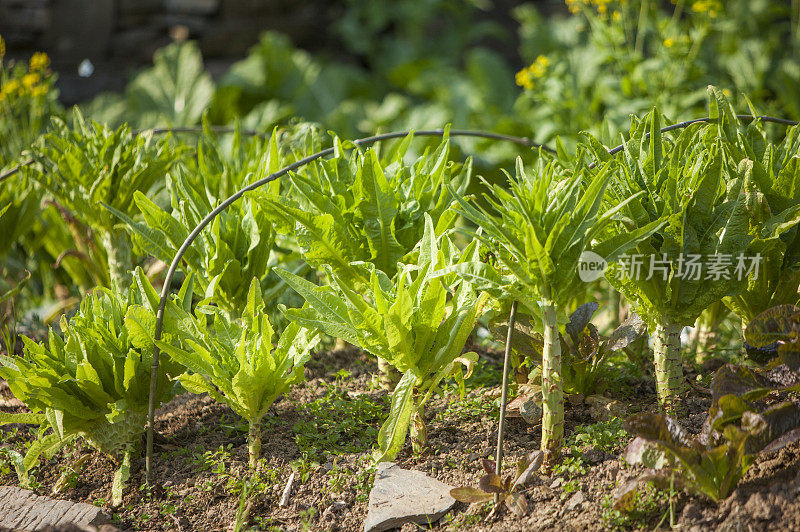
(196, 489)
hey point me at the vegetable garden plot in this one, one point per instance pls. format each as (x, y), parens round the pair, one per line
(343, 316)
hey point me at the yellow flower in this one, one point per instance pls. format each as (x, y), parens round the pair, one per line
(39, 90)
(727, 93)
(711, 7)
(616, 16)
(523, 79)
(537, 69)
(10, 87)
(2, 48)
(669, 42)
(574, 6)
(30, 79)
(39, 62)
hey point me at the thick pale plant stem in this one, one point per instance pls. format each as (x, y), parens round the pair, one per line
(552, 391)
(388, 376)
(670, 383)
(419, 434)
(254, 442)
(120, 262)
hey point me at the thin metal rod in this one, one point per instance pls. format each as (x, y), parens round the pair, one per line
(222, 206)
(501, 426)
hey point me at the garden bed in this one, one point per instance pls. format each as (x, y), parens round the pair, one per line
(325, 429)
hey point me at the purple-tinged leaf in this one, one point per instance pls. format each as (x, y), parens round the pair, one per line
(589, 343)
(491, 483)
(625, 496)
(766, 427)
(782, 441)
(579, 319)
(741, 381)
(627, 333)
(527, 468)
(658, 428)
(765, 332)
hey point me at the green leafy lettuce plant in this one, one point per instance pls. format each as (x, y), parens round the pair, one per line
(94, 382)
(238, 243)
(775, 213)
(715, 469)
(537, 230)
(691, 182)
(87, 164)
(367, 208)
(237, 362)
(418, 322)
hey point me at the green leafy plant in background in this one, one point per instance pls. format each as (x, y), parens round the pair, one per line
(609, 60)
(537, 230)
(692, 183)
(585, 362)
(94, 383)
(87, 164)
(239, 242)
(175, 91)
(584, 350)
(418, 322)
(238, 364)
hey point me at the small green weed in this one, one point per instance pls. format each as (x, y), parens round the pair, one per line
(337, 424)
(360, 478)
(304, 467)
(213, 460)
(647, 507)
(606, 435)
(475, 406)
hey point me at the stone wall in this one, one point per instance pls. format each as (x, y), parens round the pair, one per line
(118, 36)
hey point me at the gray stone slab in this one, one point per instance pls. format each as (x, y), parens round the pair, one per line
(23, 510)
(402, 496)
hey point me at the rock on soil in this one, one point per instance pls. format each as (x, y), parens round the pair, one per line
(402, 496)
(23, 510)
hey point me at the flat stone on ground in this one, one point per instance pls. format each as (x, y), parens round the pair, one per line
(25, 511)
(403, 496)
